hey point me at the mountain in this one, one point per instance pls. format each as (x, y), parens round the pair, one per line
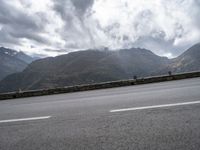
(12, 61)
(26, 58)
(85, 67)
(94, 66)
(188, 61)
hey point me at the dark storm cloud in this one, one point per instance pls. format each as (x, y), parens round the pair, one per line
(76, 32)
(6, 38)
(82, 5)
(12, 16)
(51, 27)
(16, 24)
(72, 12)
(197, 12)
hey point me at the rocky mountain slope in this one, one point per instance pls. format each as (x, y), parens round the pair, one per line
(188, 61)
(85, 67)
(12, 61)
(94, 66)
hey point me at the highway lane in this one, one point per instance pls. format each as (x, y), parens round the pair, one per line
(84, 120)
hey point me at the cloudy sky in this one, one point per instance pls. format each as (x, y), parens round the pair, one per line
(52, 27)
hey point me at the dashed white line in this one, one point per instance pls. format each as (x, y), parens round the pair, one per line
(155, 106)
(25, 119)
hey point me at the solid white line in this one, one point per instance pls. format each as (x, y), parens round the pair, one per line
(155, 106)
(25, 119)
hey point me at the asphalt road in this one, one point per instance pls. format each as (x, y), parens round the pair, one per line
(161, 116)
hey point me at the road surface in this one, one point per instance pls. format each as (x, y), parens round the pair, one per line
(160, 116)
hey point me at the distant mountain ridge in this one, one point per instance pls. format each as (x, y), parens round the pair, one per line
(94, 66)
(12, 61)
(188, 61)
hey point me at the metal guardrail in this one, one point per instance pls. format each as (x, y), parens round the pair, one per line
(136, 81)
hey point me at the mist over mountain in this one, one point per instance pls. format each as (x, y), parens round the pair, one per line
(94, 66)
(12, 61)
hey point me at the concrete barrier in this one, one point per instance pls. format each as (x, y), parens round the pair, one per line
(104, 85)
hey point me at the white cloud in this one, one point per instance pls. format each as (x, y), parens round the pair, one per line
(140, 19)
(165, 27)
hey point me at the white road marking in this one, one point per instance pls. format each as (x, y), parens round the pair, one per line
(25, 119)
(155, 106)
